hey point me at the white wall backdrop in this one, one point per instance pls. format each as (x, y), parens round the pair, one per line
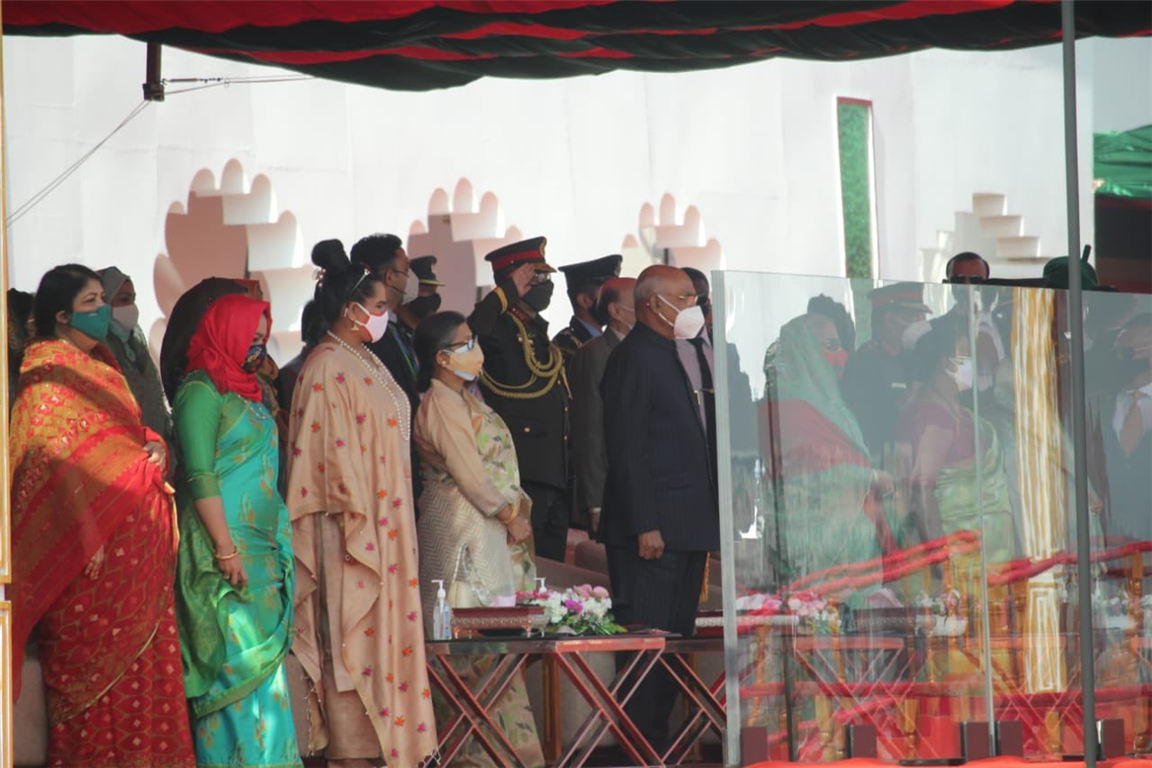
(753, 148)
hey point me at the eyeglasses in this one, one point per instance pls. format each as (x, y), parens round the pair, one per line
(689, 299)
(832, 345)
(540, 278)
(466, 346)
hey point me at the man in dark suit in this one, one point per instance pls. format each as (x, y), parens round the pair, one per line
(661, 514)
(384, 256)
(589, 456)
(584, 281)
(524, 381)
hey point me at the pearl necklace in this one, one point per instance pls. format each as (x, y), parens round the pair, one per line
(380, 372)
(256, 408)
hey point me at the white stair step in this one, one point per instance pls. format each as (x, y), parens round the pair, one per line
(1018, 248)
(989, 204)
(1002, 226)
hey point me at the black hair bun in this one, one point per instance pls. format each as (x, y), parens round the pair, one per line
(329, 255)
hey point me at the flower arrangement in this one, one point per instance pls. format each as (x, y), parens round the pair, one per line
(580, 610)
(815, 614)
(812, 613)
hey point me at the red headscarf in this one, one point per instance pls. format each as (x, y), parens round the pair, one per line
(222, 341)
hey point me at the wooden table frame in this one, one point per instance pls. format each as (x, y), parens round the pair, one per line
(706, 710)
(472, 705)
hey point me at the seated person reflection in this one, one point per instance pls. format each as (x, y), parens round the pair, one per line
(967, 268)
(1127, 434)
(828, 498)
(946, 496)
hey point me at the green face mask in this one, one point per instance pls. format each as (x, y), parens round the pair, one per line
(93, 324)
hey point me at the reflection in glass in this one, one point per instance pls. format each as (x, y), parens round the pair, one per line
(911, 558)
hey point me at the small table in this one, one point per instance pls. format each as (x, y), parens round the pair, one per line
(558, 655)
(473, 706)
(706, 710)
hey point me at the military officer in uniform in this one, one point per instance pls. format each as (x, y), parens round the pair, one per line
(428, 296)
(876, 382)
(524, 381)
(584, 281)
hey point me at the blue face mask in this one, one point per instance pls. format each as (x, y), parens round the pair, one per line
(93, 324)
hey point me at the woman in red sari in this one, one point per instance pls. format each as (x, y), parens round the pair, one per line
(94, 546)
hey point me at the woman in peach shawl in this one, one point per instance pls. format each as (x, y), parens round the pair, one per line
(360, 635)
(94, 545)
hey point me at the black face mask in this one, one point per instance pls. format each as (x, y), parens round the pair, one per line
(539, 296)
(422, 306)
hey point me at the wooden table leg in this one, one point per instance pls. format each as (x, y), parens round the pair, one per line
(553, 738)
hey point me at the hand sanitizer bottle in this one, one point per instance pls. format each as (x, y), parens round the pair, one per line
(442, 614)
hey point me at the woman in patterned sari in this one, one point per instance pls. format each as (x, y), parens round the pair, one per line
(236, 571)
(826, 495)
(93, 544)
(943, 436)
(473, 513)
(360, 636)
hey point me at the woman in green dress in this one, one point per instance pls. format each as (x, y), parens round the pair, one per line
(235, 572)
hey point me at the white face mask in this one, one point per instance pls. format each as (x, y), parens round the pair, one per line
(377, 325)
(963, 373)
(127, 317)
(689, 322)
(625, 309)
(411, 288)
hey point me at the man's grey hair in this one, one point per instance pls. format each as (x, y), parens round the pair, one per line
(646, 288)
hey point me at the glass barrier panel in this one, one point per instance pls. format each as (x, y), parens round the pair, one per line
(859, 541)
(904, 535)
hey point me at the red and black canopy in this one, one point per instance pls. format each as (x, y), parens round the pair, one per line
(424, 45)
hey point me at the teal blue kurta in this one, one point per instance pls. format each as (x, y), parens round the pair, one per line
(234, 640)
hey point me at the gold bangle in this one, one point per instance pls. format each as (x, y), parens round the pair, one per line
(511, 517)
(235, 553)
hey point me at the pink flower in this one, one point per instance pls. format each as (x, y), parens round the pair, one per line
(367, 672)
(370, 547)
(392, 568)
(600, 593)
(583, 591)
(396, 502)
